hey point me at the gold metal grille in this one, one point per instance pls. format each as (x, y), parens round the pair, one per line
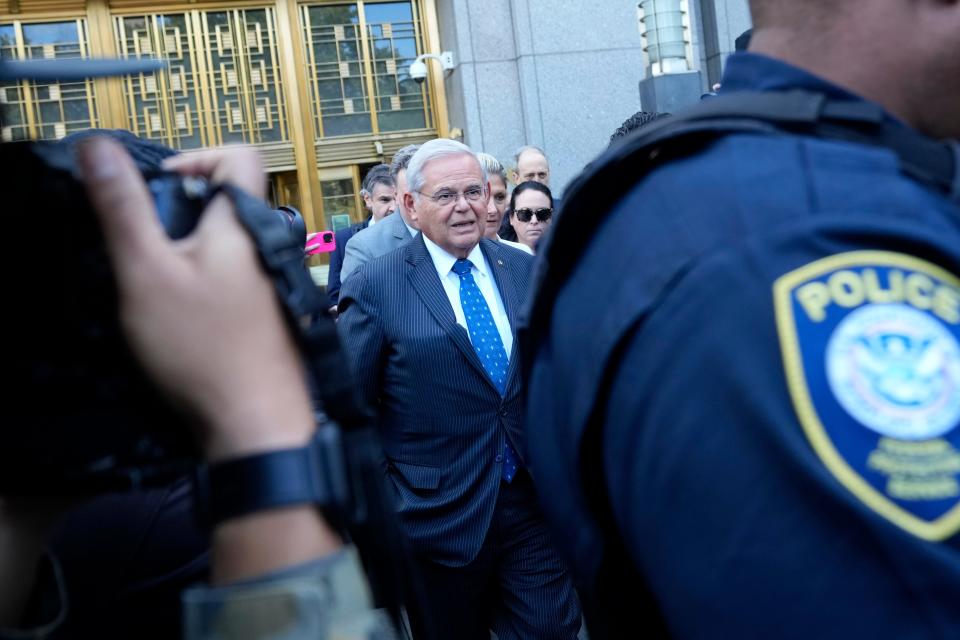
(336, 64)
(319, 86)
(243, 76)
(165, 106)
(393, 31)
(222, 85)
(31, 110)
(358, 59)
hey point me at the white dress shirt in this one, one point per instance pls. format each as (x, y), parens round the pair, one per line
(482, 275)
(516, 245)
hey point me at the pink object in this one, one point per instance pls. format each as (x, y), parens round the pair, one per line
(322, 242)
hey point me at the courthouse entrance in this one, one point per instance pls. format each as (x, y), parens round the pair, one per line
(320, 88)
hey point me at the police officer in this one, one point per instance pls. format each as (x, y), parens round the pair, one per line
(754, 432)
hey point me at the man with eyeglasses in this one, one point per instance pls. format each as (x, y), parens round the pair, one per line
(430, 330)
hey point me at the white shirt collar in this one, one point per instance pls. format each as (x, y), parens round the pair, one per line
(412, 231)
(444, 262)
(372, 222)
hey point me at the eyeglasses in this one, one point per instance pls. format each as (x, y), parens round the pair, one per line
(446, 198)
(543, 215)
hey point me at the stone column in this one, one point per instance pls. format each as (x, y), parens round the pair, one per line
(723, 22)
(671, 82)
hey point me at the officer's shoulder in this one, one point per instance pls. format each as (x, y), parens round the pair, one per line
(779, 150)
(742, 168)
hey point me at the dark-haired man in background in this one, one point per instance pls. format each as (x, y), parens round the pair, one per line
(635, 122)
(380, 198)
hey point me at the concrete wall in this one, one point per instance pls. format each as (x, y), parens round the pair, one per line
(722, 22)
(559, 74)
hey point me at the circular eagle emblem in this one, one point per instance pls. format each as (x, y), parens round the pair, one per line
(896, 370)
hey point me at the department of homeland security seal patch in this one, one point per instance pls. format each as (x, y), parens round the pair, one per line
(871, 349)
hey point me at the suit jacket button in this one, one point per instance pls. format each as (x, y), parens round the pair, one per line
(503, 412)
(499, 458)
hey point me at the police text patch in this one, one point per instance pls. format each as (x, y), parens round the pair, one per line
(871, 349)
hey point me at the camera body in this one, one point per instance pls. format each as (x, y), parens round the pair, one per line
(81, 415)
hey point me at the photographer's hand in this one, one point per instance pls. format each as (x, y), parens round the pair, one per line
(205, 322)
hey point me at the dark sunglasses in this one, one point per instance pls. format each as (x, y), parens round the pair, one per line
(543, 215)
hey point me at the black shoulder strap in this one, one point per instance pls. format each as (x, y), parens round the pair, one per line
(606, 180)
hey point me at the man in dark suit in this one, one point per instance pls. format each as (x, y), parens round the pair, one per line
(379, 195)
(430, 329)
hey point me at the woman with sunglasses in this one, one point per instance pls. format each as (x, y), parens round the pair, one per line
(497, 204)
(531, 209)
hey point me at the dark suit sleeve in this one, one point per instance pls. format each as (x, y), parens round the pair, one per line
(361, 329)
(336, 264)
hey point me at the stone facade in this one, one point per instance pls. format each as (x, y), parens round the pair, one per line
(560, 74)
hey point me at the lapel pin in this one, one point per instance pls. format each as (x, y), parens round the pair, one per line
(500, 262)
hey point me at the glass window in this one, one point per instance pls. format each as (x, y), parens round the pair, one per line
(393, 31)
(342, 79)
(335, 65)
(13, 115)
(47, 110)
(222, 84)
(163, 106)
(245, 76)
(339, 203)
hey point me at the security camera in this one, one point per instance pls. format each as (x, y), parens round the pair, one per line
(418, 68)
(418, 71)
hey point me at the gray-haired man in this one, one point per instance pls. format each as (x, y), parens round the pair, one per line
(430, 329)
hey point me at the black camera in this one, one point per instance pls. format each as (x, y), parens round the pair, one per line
(82, 416)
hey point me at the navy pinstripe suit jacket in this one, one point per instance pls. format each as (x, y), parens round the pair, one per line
(442, 420)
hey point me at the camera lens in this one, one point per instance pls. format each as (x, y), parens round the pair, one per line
(328, 237)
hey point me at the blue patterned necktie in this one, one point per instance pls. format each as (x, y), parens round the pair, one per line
(488, 345)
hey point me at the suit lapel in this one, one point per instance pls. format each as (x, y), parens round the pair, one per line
(423, 277)
(399, 227)
(508, 293)
(501, 275)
